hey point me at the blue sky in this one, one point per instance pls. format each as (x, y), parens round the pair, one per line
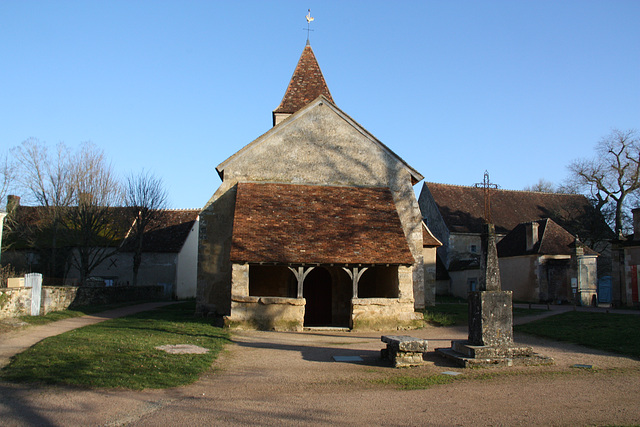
(518, 88)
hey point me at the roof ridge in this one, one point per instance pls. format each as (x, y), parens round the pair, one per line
(503, 189)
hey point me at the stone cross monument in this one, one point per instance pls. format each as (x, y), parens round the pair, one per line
(490, 339)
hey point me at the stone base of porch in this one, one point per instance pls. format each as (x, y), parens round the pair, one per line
(266, 313)
(377, 314)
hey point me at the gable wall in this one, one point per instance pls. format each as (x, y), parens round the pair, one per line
(316, 146)
(431, 215)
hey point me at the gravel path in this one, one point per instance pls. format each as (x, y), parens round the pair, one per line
(270, 378)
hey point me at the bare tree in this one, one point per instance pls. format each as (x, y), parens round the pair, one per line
(145, 196)
(75, 191)
(612, 176)
(543, 186)
(93, 225)
(45, 179)
(7, 175)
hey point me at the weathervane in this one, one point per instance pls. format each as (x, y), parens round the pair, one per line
(487, 185)
(309, 20)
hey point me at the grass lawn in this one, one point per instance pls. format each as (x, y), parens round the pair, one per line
(121, 352)
(7, 325)
(457, 314)
(617, 333)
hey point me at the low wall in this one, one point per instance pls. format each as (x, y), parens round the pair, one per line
(377, 314)
(266, 313)
(17, 301)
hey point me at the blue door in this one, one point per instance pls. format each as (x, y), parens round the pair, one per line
(604, 289)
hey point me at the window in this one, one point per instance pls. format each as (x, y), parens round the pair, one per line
(473, 284)
(473, 249)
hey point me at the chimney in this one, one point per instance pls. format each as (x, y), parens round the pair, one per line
(12, 203)
(636, 223)
(531, 232)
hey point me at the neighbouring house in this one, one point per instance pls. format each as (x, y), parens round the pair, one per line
(542, 262)
(315, 223)
(455, 215)
(169, 253)
(430, 259)
(625, 286)
(169, 256)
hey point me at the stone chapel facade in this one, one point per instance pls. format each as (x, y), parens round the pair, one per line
(315, 224)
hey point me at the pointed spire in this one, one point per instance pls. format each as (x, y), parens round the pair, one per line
(306, 85)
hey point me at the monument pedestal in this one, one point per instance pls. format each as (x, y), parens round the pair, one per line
(490, 340)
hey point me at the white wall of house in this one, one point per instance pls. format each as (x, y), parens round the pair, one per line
(520, 275)
(187, 265)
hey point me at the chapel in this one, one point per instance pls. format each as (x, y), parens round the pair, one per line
(315, 224)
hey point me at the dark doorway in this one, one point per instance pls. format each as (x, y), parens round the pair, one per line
(317, 292)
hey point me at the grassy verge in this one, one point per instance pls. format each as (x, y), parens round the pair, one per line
(416, 383)
(617, 333)
(11, 324)
(457, 314)
(121, 352)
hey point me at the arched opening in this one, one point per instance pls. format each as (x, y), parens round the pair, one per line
(317, 290)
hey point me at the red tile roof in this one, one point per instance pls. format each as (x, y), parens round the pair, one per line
(428, 239)
(306, 84)
(291, 224)
(462, 208)
(169, 231)
(552, 240)
(166, 234)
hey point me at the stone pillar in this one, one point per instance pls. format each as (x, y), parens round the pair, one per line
(490, 308)
(489, 270)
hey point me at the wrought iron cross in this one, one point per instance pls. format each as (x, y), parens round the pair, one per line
(487, 185)
(309, 20)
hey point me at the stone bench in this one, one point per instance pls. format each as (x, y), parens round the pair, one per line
(403, 350)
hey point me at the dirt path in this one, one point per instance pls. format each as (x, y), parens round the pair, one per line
(269, 378)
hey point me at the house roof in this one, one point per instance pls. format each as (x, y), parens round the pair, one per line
(307, 224)
(462, 208)
(319, 101)
(306, 84)
(169, 230)
(166, 234)
(428, 239)
(552, 240)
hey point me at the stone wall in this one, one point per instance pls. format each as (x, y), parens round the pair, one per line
(17, 301)
(266, 313)
(376, 314)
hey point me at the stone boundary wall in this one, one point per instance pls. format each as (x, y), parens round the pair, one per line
(17, 301)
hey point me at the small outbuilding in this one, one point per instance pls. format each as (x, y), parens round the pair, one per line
(542, 262)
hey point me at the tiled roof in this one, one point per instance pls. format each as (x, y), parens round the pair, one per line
(27, 226)
(462, 208)
(306, 84)
(283, 223)
(169, 231)
(428, 239)
(166, 234)
(552, 240)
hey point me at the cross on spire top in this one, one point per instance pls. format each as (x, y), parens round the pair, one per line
(309, 20)
(487, 185)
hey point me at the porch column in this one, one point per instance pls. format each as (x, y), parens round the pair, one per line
(300, 273)
(355, 273)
